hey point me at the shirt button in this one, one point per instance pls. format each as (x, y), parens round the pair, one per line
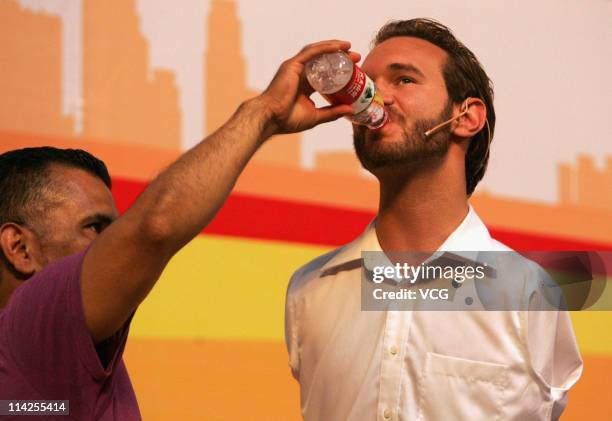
(387, 414)
(393, 350)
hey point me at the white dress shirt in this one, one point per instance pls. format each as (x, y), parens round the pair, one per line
(421, 365)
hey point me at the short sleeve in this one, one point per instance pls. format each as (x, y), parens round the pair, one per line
(47, 335)
(554, 354)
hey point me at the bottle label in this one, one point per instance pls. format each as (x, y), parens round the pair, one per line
(374, 116)
(359, 91)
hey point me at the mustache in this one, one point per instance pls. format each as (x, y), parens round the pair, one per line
(360, 132)
(395, 116)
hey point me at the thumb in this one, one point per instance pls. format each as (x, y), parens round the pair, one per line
(333, 112)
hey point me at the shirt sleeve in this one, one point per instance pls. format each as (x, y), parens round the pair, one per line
(47, 333)
(553, 352)
(291, 333)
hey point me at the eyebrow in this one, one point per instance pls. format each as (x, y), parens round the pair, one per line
(406, 68)
(103, 218)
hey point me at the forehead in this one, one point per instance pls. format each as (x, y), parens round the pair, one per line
(424, 55)
(80, 192)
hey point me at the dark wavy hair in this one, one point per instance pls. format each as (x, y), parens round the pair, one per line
(24, 177)
(464, 77)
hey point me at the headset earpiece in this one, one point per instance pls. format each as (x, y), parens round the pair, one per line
(464, 109)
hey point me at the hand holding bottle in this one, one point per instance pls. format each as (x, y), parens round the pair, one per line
(335, 76)
(287, 98)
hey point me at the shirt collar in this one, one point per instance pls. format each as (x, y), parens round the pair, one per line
(470, 236)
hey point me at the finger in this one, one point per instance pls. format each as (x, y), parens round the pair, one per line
(305, 86)
(322, 43)
(332, 112)
(354, 56)
(313, 50)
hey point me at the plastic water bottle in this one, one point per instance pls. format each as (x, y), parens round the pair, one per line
(340, 81)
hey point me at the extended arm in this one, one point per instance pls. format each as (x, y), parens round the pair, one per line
(126, 260)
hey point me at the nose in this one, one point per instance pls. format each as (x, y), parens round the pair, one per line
(384, 92)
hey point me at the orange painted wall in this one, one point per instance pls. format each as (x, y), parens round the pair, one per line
(124, 99)
(31, 71)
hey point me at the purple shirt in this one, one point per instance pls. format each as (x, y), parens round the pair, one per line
(46, 351)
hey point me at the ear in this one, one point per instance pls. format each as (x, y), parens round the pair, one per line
(473, 118)
(17, 243)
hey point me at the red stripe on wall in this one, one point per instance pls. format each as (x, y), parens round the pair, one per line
(306, 223)
(534, 242)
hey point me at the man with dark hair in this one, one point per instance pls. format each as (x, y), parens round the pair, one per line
(423, 365)
(27, 186)
(72, 272)
(464, 78)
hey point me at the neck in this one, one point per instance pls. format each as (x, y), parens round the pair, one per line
(5, 292)
(8, 284)
(420, 207)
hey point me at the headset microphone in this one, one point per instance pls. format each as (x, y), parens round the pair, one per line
(464, 109)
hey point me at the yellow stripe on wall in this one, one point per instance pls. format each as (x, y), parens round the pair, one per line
(223, 288)
(593, 331)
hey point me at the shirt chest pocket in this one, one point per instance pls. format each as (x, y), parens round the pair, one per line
(454, 388)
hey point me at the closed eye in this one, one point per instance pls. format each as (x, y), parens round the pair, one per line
(404, 80)
(97, 222)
